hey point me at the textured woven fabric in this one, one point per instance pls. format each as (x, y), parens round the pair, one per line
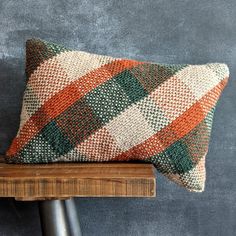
(85, 107)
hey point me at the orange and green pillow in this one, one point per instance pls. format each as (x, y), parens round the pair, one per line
(83, 107)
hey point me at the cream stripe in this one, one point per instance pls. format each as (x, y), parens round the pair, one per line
(173, 97)
(194, 180)
(72, 155)
(129, 128)
(202, 78)
(23, 118)
(58, 72)
(78, 63)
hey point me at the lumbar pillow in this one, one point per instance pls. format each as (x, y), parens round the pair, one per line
(83, 107)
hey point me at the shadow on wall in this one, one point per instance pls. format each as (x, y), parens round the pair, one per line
(12, 84)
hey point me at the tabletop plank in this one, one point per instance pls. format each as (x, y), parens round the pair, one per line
(65, 180)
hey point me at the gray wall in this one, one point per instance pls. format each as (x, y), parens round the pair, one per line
(165, 31)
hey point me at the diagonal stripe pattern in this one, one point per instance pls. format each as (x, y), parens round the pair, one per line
(80, 106)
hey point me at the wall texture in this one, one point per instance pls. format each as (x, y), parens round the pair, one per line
(165, 31)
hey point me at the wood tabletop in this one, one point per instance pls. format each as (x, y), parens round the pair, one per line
(65, 180)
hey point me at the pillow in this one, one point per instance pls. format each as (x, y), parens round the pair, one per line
(83, 107)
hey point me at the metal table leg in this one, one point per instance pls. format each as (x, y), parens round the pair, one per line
(59, 218)
(73, 217)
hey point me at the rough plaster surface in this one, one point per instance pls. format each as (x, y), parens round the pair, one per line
(165, 31)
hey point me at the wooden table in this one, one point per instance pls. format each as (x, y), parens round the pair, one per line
(51, 184)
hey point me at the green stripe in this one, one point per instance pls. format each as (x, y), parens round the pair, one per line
(108, 100)
(132, 87)
(58, 141)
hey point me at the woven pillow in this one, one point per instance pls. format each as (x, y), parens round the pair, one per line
(83, 107)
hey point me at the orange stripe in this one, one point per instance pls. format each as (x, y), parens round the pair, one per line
(65, 98)
(177, 129)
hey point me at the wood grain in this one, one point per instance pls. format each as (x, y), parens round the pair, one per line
(65, 180)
